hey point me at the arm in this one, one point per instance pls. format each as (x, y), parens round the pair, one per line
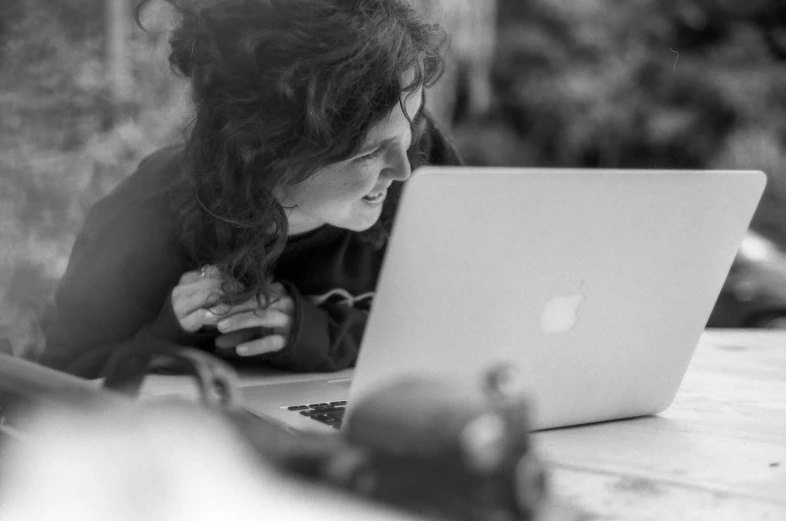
(115, 291)
(77, 346)
(323, 338)
(291, 332)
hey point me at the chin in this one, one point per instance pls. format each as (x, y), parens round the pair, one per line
(358, 227)
(361, 225)
(363, 220)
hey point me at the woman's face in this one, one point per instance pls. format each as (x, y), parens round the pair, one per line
(350, 194)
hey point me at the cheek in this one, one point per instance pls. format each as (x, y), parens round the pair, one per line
(359, 180)
(349, 183)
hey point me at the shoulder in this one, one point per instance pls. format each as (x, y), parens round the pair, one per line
(142, 200)
(129, 250)
(133, 234)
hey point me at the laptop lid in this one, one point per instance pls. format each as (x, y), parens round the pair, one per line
(594, 284)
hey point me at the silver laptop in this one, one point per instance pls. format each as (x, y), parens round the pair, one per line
(594, 284)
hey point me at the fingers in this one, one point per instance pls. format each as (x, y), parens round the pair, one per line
(254, 332)
(196, 302)
(210, 271)
(196, 315)
(190, 277)
(197, 290)
(250, 342)
(270, 318)
(223, 310)
(207, 272)
(266, 344)
(189, 298)
(280, 299)
(195, 320)
(235, 338)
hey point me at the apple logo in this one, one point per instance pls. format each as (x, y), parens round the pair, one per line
(560, 314)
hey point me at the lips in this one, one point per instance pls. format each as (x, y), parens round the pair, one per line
(376, 197)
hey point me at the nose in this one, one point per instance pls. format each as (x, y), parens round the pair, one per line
(398, 167)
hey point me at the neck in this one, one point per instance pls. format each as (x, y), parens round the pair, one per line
(298, 224)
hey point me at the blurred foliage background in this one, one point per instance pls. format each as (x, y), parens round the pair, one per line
(596, 83)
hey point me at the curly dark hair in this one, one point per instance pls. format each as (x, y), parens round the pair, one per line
(282, 88)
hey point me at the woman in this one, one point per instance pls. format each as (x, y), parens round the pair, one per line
(261, 239)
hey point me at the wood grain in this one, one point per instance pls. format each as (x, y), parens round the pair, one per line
(719, 452)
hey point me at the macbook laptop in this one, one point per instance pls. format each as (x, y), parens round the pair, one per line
(595, 285)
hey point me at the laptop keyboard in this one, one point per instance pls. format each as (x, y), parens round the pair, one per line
(329, 413)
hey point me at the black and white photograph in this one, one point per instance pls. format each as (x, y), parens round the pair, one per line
(406, 260)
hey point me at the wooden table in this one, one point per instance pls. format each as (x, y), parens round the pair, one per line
(719, 452)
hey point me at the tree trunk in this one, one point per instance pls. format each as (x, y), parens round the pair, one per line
(465, 88)
(117, 62)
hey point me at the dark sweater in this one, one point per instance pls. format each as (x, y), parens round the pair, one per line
(128, 258)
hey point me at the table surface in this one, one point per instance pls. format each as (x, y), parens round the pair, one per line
(719, 452)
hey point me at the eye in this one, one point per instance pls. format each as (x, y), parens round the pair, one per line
(371, 155)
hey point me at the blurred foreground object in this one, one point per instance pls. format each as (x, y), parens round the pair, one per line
(168, 462)
(438, 449)
(754, 295)
(103, 456)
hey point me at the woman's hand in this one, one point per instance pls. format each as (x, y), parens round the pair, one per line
(252, 329)
(247, 328)
(195, 298)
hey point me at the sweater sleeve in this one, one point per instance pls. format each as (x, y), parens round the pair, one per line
(324, 338)
(77, 343)
(122, 269)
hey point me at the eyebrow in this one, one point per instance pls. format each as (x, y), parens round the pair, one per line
(370, 148)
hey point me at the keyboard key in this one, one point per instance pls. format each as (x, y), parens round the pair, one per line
(297, 407)
(338, 403)
(324, 410)
(312, 405)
